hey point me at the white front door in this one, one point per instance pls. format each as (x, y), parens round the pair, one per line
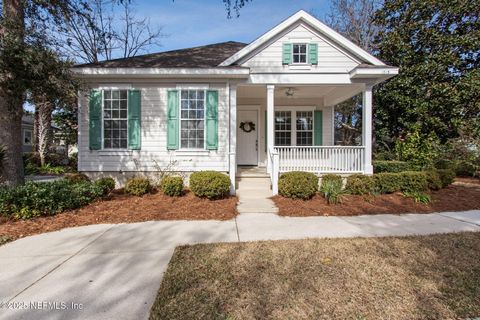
(247, 142)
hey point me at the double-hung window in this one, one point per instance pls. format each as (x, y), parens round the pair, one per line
(293, 128)
(299, 53)
(304, 128)
(115, 119)
(27, 137)
(283, 128)
(192, 119)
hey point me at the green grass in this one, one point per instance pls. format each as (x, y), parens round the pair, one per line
(423, 277)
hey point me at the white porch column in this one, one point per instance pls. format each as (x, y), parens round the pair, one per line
(367, 124)
(270, 123)
(232, 163)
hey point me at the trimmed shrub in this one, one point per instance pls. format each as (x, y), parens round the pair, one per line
(466, 168)
(413, 181)
(172, 186)
(107, 184)
(446, 176)
(360, 184)
(77, 177)
(433, 180)
(298, 185)
(387, 182)
(391, 166)
(445, 164)
(137, 186)
(210, 184)
(38, 199)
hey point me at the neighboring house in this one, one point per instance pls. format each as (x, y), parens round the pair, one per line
(28, 137)
(27, 133)
(268, 104)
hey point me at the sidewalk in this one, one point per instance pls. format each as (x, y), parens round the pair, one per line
(114, 271)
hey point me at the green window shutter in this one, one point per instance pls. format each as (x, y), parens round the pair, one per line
(134, 119)
(287, 53)
(266, 132)
(211, 120)
(95, 123)
(313, 53)
(317, 128)
(172, 120)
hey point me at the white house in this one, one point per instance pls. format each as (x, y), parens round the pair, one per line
(268, 104)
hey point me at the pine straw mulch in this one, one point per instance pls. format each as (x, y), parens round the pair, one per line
(453, 198)
(121, 208)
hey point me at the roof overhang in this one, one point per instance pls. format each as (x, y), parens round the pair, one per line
(229, 73)
(376, 74)
(317, 25)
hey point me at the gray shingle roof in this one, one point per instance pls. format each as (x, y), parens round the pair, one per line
(208, 56)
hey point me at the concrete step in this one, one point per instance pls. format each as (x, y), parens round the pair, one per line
(254, 196)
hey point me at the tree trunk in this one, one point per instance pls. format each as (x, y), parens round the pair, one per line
(45, 134)
(11, 97)
(35, 129)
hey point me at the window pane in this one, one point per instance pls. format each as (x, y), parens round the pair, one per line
(295, 48)
(107, 94)
(115, 94)
(123, 104)
(123, 94)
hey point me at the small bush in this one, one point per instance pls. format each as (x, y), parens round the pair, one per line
(445, 164)
(337, 179)
(446, 176)
(298, 184)
(418, 197)
(466, 168)
(172, 186)
(107, 184)
(433, 180)
(77, 177)
(38, 199)
(413, 181)
(387, 182)
(31, 169)
(210, 184)
(360, 184)
(331, 190)
(49, 169)
(391, 166)
(137, 186)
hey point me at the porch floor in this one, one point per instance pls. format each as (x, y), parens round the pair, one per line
(252, 172)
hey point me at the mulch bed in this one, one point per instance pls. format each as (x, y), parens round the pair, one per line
(452, 198)
(122, 208)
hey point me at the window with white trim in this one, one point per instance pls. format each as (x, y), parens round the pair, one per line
(27, 137)
(299, 53)
(192, 119)
(115, 119)
(304, 128)
(283, 128)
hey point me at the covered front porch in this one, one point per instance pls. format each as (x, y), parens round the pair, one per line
(281, 128)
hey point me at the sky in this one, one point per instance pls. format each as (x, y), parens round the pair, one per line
(189, 23)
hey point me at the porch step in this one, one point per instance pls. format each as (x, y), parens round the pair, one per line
(254, 196)
(252, 172)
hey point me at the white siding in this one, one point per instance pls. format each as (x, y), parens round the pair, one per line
(154, 135)
(331, 58)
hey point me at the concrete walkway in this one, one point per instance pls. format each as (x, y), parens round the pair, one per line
(254, 195)
(114, 271)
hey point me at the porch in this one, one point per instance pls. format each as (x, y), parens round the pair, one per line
(294, 130)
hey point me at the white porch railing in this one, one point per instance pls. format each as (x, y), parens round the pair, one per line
(322, 159)
(316, 159)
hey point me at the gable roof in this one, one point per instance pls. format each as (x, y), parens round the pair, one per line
(302, 16)
(208, 56)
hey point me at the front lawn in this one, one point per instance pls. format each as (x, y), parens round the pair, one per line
(423, 277)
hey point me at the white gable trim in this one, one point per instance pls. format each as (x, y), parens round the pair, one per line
(317, 25)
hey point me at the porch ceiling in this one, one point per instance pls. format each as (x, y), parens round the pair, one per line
(331, 94)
